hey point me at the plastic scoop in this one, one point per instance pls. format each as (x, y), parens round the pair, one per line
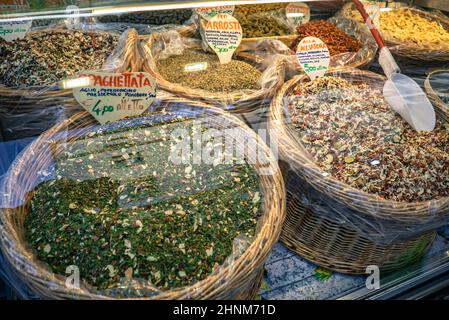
(402, 93)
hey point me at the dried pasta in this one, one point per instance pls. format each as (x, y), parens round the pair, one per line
(405, 25)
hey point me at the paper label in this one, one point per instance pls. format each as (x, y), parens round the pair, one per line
(298, 13)
(113, 96)
(223, 34)
(11, 31)
(210, 12)
(313, 56)
(13, 5)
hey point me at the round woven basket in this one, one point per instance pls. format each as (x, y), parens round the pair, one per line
(242, 101)
(410, 49)
(441, 108)
(239, 279)
(340, 227)
(28, 111)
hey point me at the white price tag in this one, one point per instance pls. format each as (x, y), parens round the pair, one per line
(11, 31)
(223, 34)
(298, 13)
(313, 56)
(113, 96)
(210, 12)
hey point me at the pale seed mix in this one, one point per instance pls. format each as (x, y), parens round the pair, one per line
(120, 211)
(212, 76)
(352, 134)
(45, 58)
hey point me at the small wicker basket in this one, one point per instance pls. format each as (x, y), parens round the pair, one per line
(239, 279)
(336, 225)
(409, 50)
(441, 108)
(27, 112)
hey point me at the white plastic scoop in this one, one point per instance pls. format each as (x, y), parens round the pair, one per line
(402, 93)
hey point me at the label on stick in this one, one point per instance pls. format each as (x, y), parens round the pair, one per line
(313, 56)
(113, 96)
(223, 34)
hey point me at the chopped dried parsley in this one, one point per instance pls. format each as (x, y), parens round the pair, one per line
(120, 210)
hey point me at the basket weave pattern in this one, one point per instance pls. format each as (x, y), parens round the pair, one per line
(240, 279)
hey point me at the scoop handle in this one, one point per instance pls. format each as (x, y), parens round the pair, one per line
(369, 23)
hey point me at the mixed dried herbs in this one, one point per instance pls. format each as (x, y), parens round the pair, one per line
(201, 70)
(121, 212)
(263, 20)
(44, 58)
(336, 39)
(179, 16)
(353, 134)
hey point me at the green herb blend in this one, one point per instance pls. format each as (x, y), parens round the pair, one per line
(121, 211)
(201, 70)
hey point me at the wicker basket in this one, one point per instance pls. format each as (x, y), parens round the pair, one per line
(27, 112)
(408, 50)
(240, 279)
(239, 102)
(338, 226)
(441, 108)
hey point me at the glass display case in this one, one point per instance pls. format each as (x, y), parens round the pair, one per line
(224, 149)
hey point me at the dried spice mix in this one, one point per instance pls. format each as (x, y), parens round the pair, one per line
(336, 39)
(120, 211)
(266, 20)
(353, 134)
(201, 70)
(44, 58)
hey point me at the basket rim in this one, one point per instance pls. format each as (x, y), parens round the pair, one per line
(280, 129)
(430, 91)
(216, 282)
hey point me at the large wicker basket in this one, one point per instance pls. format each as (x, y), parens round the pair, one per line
(238, 279)
(409, 50)
(27, 112)
(336, 225)
(441, 108)
(240, 102)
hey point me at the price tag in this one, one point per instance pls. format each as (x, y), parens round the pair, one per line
(223, 34)
(73, 18)
(113, 96)
(298, 13)
(210, 12)
(11, 31)
(313, 56)
(13, 5)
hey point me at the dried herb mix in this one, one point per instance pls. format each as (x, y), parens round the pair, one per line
(45, 58)
(267, 20)
(233, 76)
(119, 210)
(161, 17)
(336, 39)
(352, 134)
